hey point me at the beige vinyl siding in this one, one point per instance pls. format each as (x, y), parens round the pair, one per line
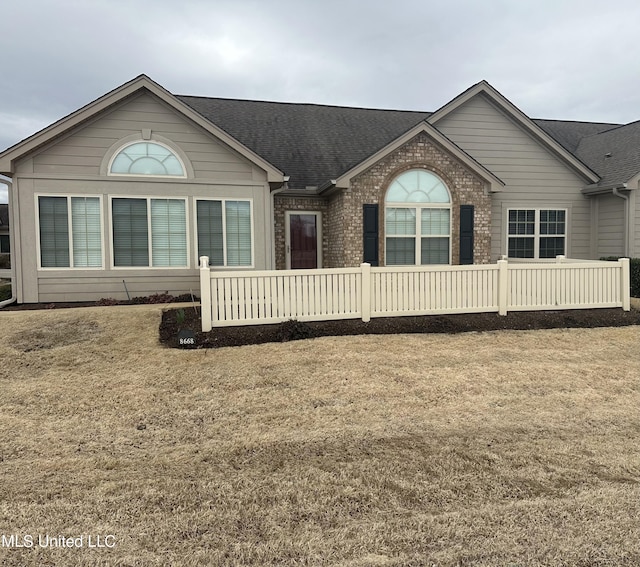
(85, 287)
(50, 285)
(72, 166)
(81, 153)
(76, 165)
(610, 223)
(533, 176)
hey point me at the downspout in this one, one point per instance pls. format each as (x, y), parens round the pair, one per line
(616, 192)
(12, 228)
(285, 185)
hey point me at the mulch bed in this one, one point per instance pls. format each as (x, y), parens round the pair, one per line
(157, 298)
(292, 330)
(175, 320)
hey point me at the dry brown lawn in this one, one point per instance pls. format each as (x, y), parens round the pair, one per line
(503, 448)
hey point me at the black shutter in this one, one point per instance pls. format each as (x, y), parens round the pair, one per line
(370, 234)
(466, 234)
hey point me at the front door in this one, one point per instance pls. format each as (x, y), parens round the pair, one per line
(302, 237)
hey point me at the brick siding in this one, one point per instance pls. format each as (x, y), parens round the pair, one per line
(342, 214)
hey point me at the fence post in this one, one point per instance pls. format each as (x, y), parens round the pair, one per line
(503, 287)
(625, 277)
(205, 294)
(560, 259)
(365, 307)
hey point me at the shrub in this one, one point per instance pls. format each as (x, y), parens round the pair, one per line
(185, 298)
(294, 330)
(153, 298)
(149, 299)
(634, 269)
(107, 302)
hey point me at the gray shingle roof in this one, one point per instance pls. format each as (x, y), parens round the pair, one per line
(569, 132)
(614, 154)
(309, 142)
(314, 143)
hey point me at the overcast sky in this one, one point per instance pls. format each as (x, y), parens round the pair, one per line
(562, 59)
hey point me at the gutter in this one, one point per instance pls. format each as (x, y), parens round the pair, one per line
(616, 192)
(327, 185)
(614, 189)
(12, 226)
(596, 189)
(272, 220)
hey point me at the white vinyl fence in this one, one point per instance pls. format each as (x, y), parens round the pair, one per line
(258, 297)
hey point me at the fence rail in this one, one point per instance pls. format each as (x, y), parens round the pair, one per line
(251, 298)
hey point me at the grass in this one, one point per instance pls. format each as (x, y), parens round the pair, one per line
(503, 448)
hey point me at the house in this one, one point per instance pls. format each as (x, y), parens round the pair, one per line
(5, 247)
(132, 188)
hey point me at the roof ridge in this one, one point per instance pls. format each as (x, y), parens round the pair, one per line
(616, 124)
(618, 127)
(318, 104)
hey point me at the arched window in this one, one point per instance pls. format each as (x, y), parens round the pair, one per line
(417, 220)
(147, 158)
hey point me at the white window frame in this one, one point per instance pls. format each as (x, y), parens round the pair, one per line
(224, 200)
(68, 197)
(138, 175)
(418, 207)
(150, 266)
(536, 236)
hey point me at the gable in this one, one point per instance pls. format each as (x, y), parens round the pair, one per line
(83, 150)
(534, 131)
(88, 113)
(504, 147)
(493, 182)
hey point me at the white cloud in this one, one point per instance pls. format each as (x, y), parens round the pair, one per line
(575, 59)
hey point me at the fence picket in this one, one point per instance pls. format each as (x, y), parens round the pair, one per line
(242, 298)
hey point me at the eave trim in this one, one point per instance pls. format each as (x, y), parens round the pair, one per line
(89, 111)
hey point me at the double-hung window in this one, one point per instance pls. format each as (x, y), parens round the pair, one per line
(536, 233)
(70, 232)
(417, 220)
(149, 232)
(225, 233)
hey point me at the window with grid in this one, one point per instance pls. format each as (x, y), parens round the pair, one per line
(70, 231)
(225, 232)
(146, 158)
(417, 220)
(536, 233)
(149, 232)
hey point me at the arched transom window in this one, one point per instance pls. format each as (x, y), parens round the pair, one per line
(147, 158)
(417, 220)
